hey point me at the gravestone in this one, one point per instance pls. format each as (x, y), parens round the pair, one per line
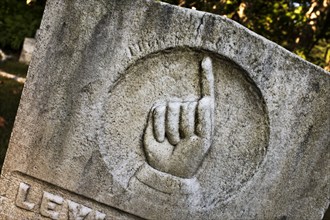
(27, 50)
(142, 110)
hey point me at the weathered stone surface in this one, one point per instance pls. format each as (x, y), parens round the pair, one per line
(27, 50)
(139, 109)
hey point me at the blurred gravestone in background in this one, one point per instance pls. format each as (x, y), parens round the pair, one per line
(27, 50)
(139, 109)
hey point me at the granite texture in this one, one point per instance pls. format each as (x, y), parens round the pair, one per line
(139, 109)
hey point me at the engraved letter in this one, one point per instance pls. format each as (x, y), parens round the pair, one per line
(21, 199)
(77, 211)
(48, 205)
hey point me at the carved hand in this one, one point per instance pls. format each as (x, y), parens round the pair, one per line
(179, 134)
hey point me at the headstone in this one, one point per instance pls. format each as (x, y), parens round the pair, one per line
(27, 50)
(139, 109)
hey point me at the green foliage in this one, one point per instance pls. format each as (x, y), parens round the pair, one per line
(17, 21)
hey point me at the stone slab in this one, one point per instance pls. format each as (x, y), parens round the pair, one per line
(27, 50)
(139, 109)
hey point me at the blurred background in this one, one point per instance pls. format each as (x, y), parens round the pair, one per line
(19, 19)
(302, 27)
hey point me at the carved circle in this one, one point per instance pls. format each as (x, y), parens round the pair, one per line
(241, 130)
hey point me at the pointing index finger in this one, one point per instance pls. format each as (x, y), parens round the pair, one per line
(207, 79)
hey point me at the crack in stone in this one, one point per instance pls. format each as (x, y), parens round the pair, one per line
(201, 24)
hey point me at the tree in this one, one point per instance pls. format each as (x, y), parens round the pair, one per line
(301, 26)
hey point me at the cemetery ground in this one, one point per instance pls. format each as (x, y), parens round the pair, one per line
(10, 93)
